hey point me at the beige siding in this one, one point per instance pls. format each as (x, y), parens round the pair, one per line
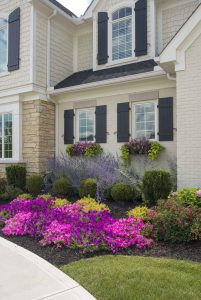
(41, 22)
(189, 122)
(21, 76)
(61, 52)
(85, 51)
(111, 96)
(171, 16)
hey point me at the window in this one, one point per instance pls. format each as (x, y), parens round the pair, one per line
(122, 33)
(3, 44)
(6, 130)
(145, 120)
(85, 121)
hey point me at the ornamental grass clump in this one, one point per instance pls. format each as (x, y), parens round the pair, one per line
(72, 226)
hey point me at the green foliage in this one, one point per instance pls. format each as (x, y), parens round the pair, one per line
(45, 196)
(60, 202)
(16, 176)
(90, 204)
(93, 150)
(156, 184)
(62, 186)
(25, 196)
(125, 154)
(196, 226)
(188, 197)
(139, 212)
(155, 150)
(34, 184)
(122, 192)
(173, 222)
(11, 193)
(87, 188)
(70, 150)
(3, 184)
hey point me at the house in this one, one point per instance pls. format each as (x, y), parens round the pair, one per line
(124, 69)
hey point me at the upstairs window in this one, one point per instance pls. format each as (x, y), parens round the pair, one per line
(3, 44)
(122, 43)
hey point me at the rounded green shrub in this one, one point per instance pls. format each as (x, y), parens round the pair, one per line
(122, 192)
(16, 176)
(11, 193)
(87, 188)
(62, 186)
(156, 184)
(3, 185)
(34, 184)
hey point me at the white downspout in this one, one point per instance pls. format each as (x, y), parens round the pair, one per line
(170, 77)
(48, 46)
(48, 78)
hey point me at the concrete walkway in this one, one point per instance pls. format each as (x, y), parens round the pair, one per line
(25, 276)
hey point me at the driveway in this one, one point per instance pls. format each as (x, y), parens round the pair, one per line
(25, 276)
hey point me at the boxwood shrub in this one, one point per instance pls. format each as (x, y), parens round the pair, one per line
(16, 176)
(122, 192)
(62, 186)
(157, 184)
(87, 188)
(34, 184)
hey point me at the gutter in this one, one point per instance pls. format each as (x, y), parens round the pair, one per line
(108, 82)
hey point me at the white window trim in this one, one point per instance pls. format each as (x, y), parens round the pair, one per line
(113, 9)
(5, 73)
(3, 134)
(14, 106)
(91, 109)
(156, 117)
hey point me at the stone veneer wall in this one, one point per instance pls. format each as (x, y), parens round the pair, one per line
(38, 134)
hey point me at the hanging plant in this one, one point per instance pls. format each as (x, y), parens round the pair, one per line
(141, 147)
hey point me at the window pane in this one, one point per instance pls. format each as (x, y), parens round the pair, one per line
(3, 48)
(86, 126)
(145, 120)
(122, 39)
(122, 13)
(8, 135)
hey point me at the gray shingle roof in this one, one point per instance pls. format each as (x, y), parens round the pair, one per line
(89, 76)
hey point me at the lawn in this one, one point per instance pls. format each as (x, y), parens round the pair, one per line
(133, 278)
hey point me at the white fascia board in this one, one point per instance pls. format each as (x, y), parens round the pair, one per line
(170, 52)
(89, 12)
(108, 82)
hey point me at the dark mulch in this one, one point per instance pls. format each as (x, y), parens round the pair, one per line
(59, 257)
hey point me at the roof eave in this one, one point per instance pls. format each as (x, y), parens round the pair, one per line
(108, 82)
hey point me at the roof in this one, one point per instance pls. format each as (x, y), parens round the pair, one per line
(89, 76)
(63, 8)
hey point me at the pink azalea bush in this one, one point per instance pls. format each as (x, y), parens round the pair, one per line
(71, 226)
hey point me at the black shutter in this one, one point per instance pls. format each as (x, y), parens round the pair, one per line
(102, 38)
(141, 27)
(68, 126)
(14, 40)
(165, 119)
(123, 122)
(101, 124)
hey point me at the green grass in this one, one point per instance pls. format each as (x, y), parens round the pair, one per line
(133, 278)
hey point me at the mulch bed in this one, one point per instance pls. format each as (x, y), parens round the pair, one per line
(59, 257)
